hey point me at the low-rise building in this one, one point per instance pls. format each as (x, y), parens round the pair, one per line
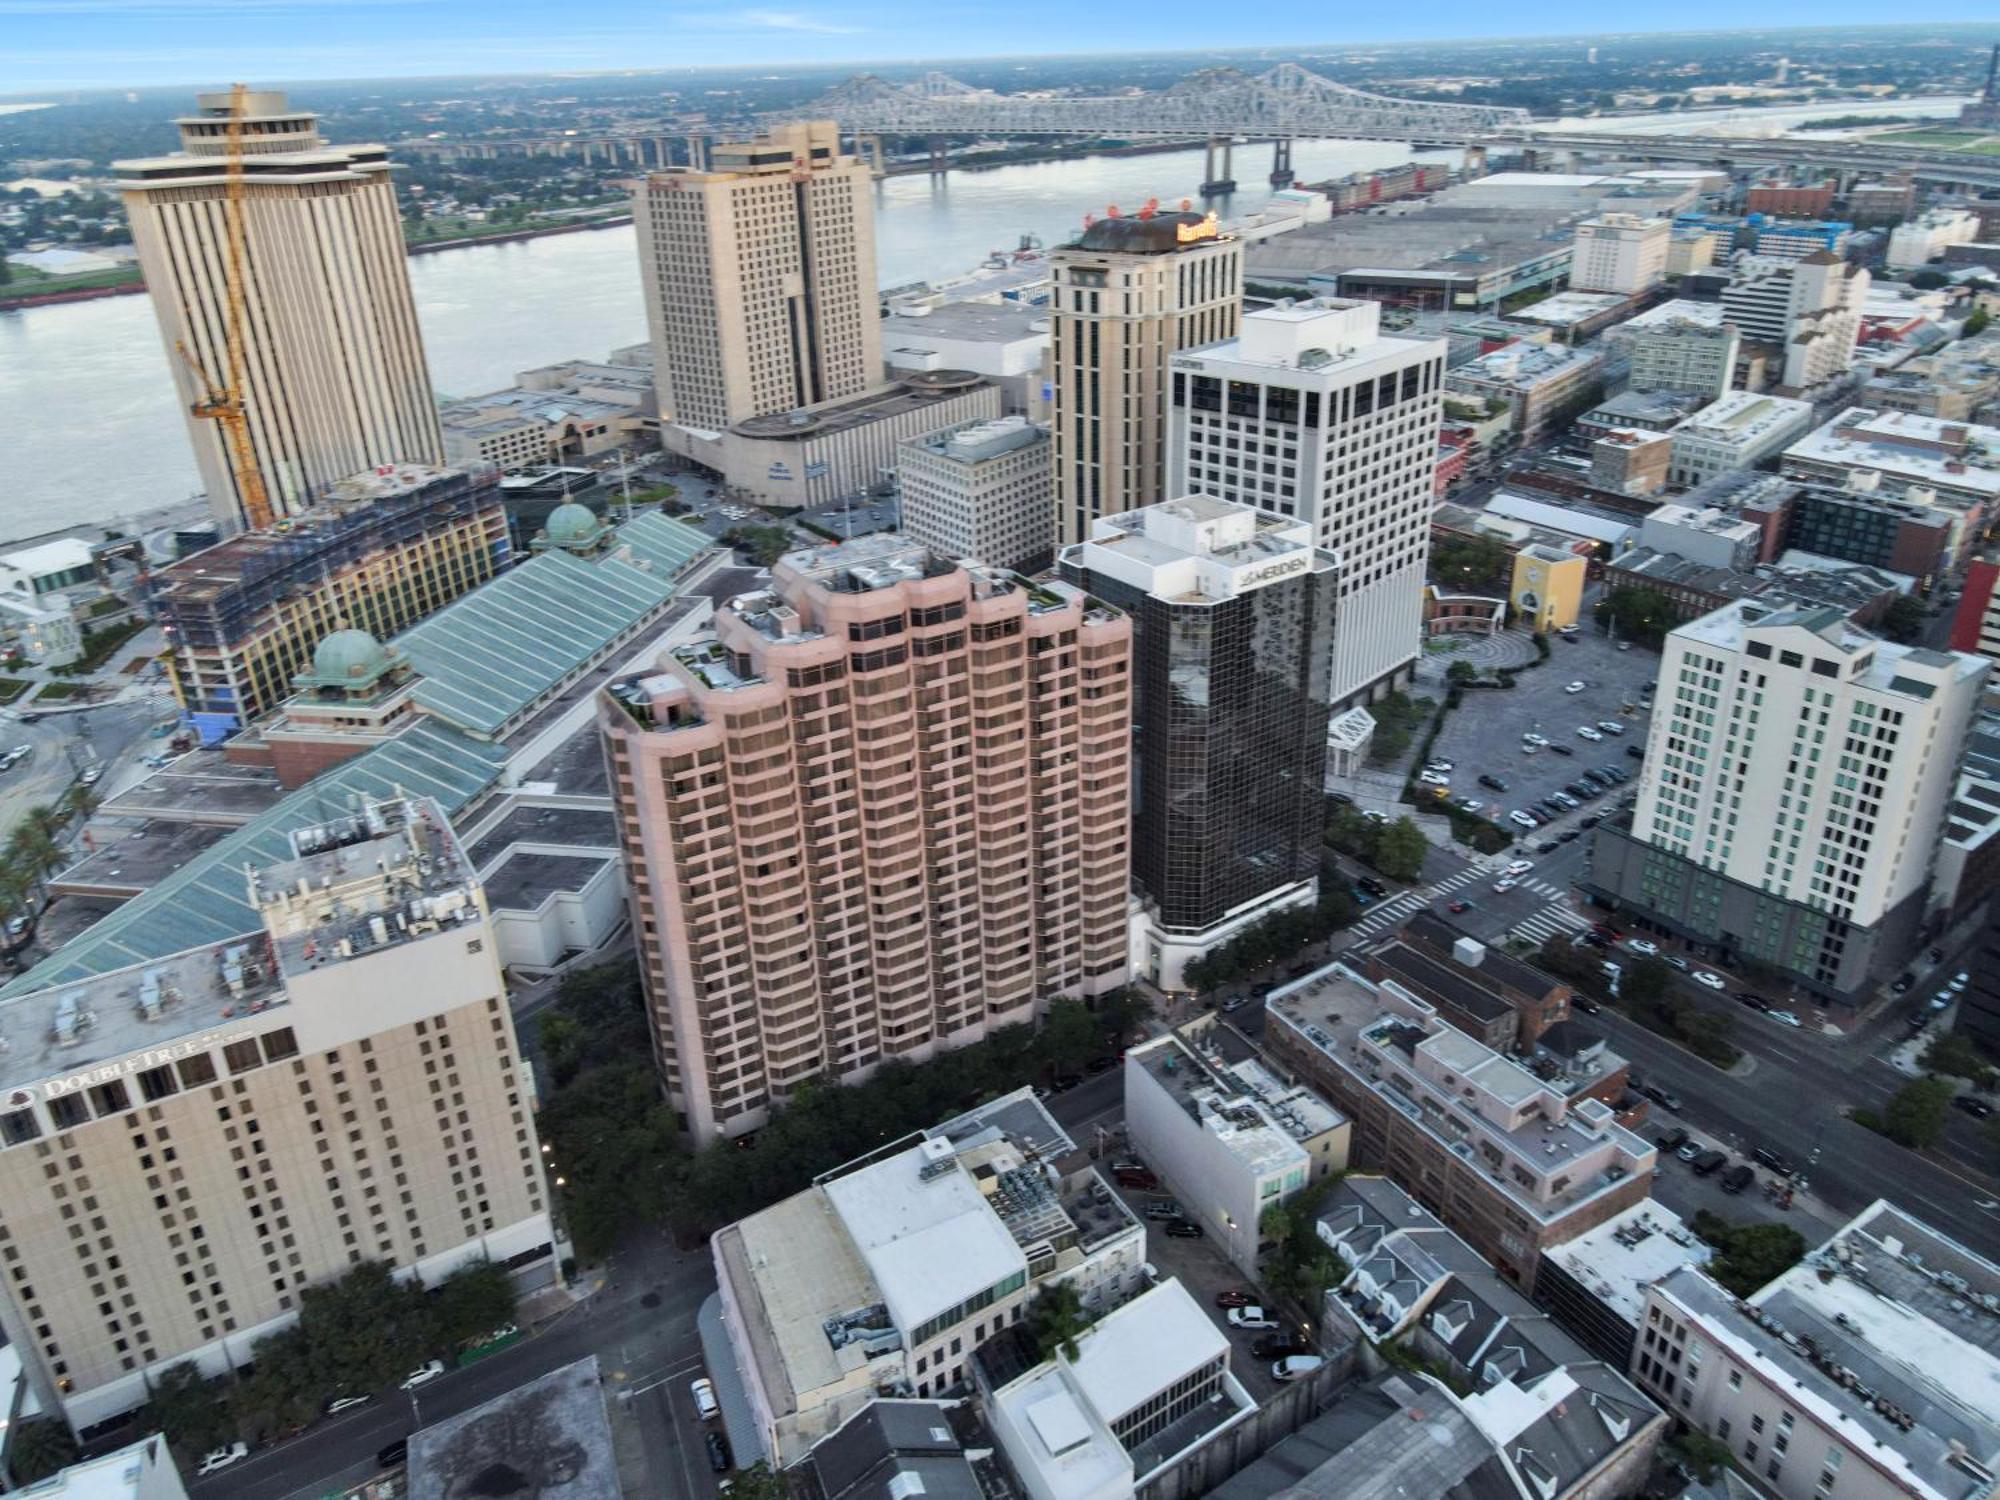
(1713, 538)
(1223, 1151)
(1694, 589)
(1007, 342)
(44, 628)
(1633, 410)
(1954, 461)
(883, 1277)
(1595, 1285)
(557, 414)
(1902, 534)
(1790, 200)
(140, 1471)
(59, 567)
(1884, 202)
(1149, 1384)
(1762, 234)
(1537, 1000)
(1541, 384)
(982, 490)
(1545, 587)
(1739, 431)
(891, 1449)
(1631, 463)
(1866, 1370)
(1685, 353)
(1953, 383)
(1585, 529)
(1500, 1155)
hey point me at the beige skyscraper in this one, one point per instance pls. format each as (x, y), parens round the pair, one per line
(334, 380)
(1129, 294)
(760, 278)
(879, 812)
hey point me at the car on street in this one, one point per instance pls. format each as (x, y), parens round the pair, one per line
(1234, 1003)
(1676, 961)
(1434, 778)
(1532, 738)
(1590, 822)
(423, 1375)
(702, 1389)
(1786, 1018)
(1902, 984)
(1504, 884)
(1163, 1208)
(346, 1403)
(1738, 1177)
(219, 1459)
(1958, 982)
(392, 1455)
(1587, 1005)
(1493, 783)
(1136, 1177)
(1279, 1346)
(91, 775)
(1765, 1156)
(1973, 1105)
(1549, 847)
(1710, 1162)
(1519, 866)
(1235, 1298)
(1252, 1316)
(1610, 726)
(1689, 1150)
(718, 1451)
(1664, 1097)
(1589, 732)
(1373, 816)
(1754, 1001)
(1569, 835)
(1524, 819)
(1459, 906)
(1643, 948)
(1710, 981)
(1183, 1229)
(1296, 1367)
(1637, 752)
(1576, 687)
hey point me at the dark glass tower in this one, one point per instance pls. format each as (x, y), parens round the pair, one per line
(1233, 612)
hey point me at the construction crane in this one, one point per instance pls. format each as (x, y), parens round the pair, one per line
(223, 403)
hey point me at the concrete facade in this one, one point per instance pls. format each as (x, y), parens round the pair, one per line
(878, 812)
(1684, 355)
(1623, 253)
(980, 490)
(1738, 432)
(333, 371)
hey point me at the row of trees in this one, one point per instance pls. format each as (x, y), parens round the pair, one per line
(355, 1336)
(1916, 1113)
(1396, 849)
(32, 852)
(1647, 992)
(614, 1144)
(1300, 1266)
(1275, 939)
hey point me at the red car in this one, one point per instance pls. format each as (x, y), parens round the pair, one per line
(1458, 906)
(1145, 1181)
(1235, 1299)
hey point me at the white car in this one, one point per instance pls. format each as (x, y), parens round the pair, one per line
(1576, 687)
(1958, 982)
(1373, 816)
(1710, 981)
(1443, 766)
(704, 1399)
(423, 1375)
(1610, 726)
(222, 1458)
(1519, 866)
(1251, 1317)
(1296, 1366)
(1522, 818)
(1504, 884)
(1643, 948)
(1586, 732)
(1534, 739)
(1786, 1018)
(346, 1403)
(1434, 778)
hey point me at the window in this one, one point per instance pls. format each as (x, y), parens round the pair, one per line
(280, 1044)
(196, 1071)
(68, 1111)
(242, 1057)
(18, 1126)
(110, 1098)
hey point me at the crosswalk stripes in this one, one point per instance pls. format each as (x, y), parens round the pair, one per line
(1549, 922)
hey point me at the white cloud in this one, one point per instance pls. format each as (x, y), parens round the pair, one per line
(763, 20)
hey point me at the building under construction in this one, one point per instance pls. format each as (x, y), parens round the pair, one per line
(378, 551)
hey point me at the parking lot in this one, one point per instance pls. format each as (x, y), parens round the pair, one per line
(1485, 736)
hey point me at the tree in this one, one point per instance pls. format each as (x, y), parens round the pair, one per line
(1639, 614)
(1400, 850)
(758, 1483)
(1927, 281)
(1056, 1320)
(1645, 982)
(1748, 1256)
(1706, 1457)
(1463, 563)
(1976, 323)
(613, 1145)
(1904, 619)
(188, 1409)
(475, 1299)
(40, 1445)
(367, 1330)
(765, 544)
(1069, 1036)
(563, 1042)
(1916, 1116)
(283, 1390)
(1461, 672)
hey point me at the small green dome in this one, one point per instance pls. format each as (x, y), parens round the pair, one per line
(569, 524)
(349, 656)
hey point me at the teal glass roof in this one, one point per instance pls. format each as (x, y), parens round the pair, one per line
(661, 542)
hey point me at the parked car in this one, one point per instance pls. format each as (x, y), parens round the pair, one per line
(1235, 1298)
(1587, 1005)
(1434, 778)
(1710, 1162)
(1676, 961)
(1765, 1156)
(346, 1403)
(718, 1451)
(1534, 739)
(1958, 982)
(1664, 1097)
(1494, 783)
(1754, 1001)
(1296, 1366)
(1673, 1140)
(1786, 1018)
(91, 775)
(1590, 822)
(1234, 1003)
(1163, 1208)
(705, 1404)
(1563, 750)
(1637, 752)
(423, 1375)
(1183, 1229)
(1643, 948)
(1710, 981)
(1589, 732)
(1973, 1105)
(1738, 1177)
(1524, 819)
(1252, 1316)
(1576, 687)
(1444, 766)
(1279, 1346)
(391, 1455)
(1133, 1177)
(221, 1458)
(1689, 1150)
(1549, 847)
(1610, 726)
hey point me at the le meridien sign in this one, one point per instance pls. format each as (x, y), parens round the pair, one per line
(1271, 572)
(139, 1062)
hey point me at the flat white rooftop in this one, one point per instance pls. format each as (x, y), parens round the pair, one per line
(1147, 1346)
(1624, 1255)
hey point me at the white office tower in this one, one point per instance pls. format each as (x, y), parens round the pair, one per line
(759, 275)
(1797, 774)
(333, 374)
(1808, 311)
(1621, 253)
(1128, 295)
(1312, 413)
(980, 490)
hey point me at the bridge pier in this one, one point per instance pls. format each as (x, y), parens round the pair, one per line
(940, 163)
(1475, 161)
(1212, 182)
(869, 149)
(1281, 162)
(697, 153)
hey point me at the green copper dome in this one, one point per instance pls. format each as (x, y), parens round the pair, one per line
(571, 524)
(349, 656)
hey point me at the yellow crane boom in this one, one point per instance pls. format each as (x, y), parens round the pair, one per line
(223, 404)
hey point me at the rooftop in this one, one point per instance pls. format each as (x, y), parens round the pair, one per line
(1236, 1118)
(906, 394)
(1626, 1254)
(550, 1436)
(1644, 408)
(1327, 338)
(58, 556)
(1151, 234)
(1199, 550)
(1571, 519)
(1567, 309)
(974, 442)
(142, 1471)
(891, 1450)
(1670, 314)
(1144, 1347)
(1742, 415)
(523, 881)
(1867, 660)
(972, 322)
(1523, 366)
(1926, 450)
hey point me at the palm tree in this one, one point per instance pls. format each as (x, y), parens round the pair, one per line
(79, 802)
(38, 1448)
(1056, 1318)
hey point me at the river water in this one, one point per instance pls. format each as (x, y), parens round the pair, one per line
(88, 404)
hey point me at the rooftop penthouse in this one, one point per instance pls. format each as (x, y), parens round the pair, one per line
(1199, 550)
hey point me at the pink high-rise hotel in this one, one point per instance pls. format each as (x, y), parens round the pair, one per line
(882, 809)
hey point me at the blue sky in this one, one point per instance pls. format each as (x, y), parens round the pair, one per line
(62, 44)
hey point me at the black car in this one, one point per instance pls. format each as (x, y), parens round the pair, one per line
(718, 1452)
(1494, 782)
(1183, 1229)
(1738, 1177)
(389, 1455)
(1547, 848)
(1278, 1346)
(1341, 797)
(1591, 822)
(1673, 1140)
(1665, 1098)
(1562, 749)
(1587, 1005)
(1636, 752)
(1710, 1162)
(1767, 1157)
(1569, 835)
(1373, 886)
(1973, 1105)
(1755, 1002)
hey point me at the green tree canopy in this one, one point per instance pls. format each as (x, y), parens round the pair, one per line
(189, 1410)
(1056, 1319)
(1916, 1115)
(1904, 619)
(283, 1390)
(1401, 849)
(1467, 564)
(1747, 1256)
(39, 1446)
(475, 1299)
(367, 1330)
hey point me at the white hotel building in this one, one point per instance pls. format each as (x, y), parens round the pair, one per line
(1311, 413)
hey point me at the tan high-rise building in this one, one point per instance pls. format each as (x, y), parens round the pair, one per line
(880, 811)
(333, 369)
(1129, 294)
(187, 1144)
(759, 275)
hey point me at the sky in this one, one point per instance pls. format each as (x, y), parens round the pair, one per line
(68, 44)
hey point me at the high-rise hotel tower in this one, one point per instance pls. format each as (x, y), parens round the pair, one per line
(334, 380)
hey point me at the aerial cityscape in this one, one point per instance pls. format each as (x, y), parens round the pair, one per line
(853, 765)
